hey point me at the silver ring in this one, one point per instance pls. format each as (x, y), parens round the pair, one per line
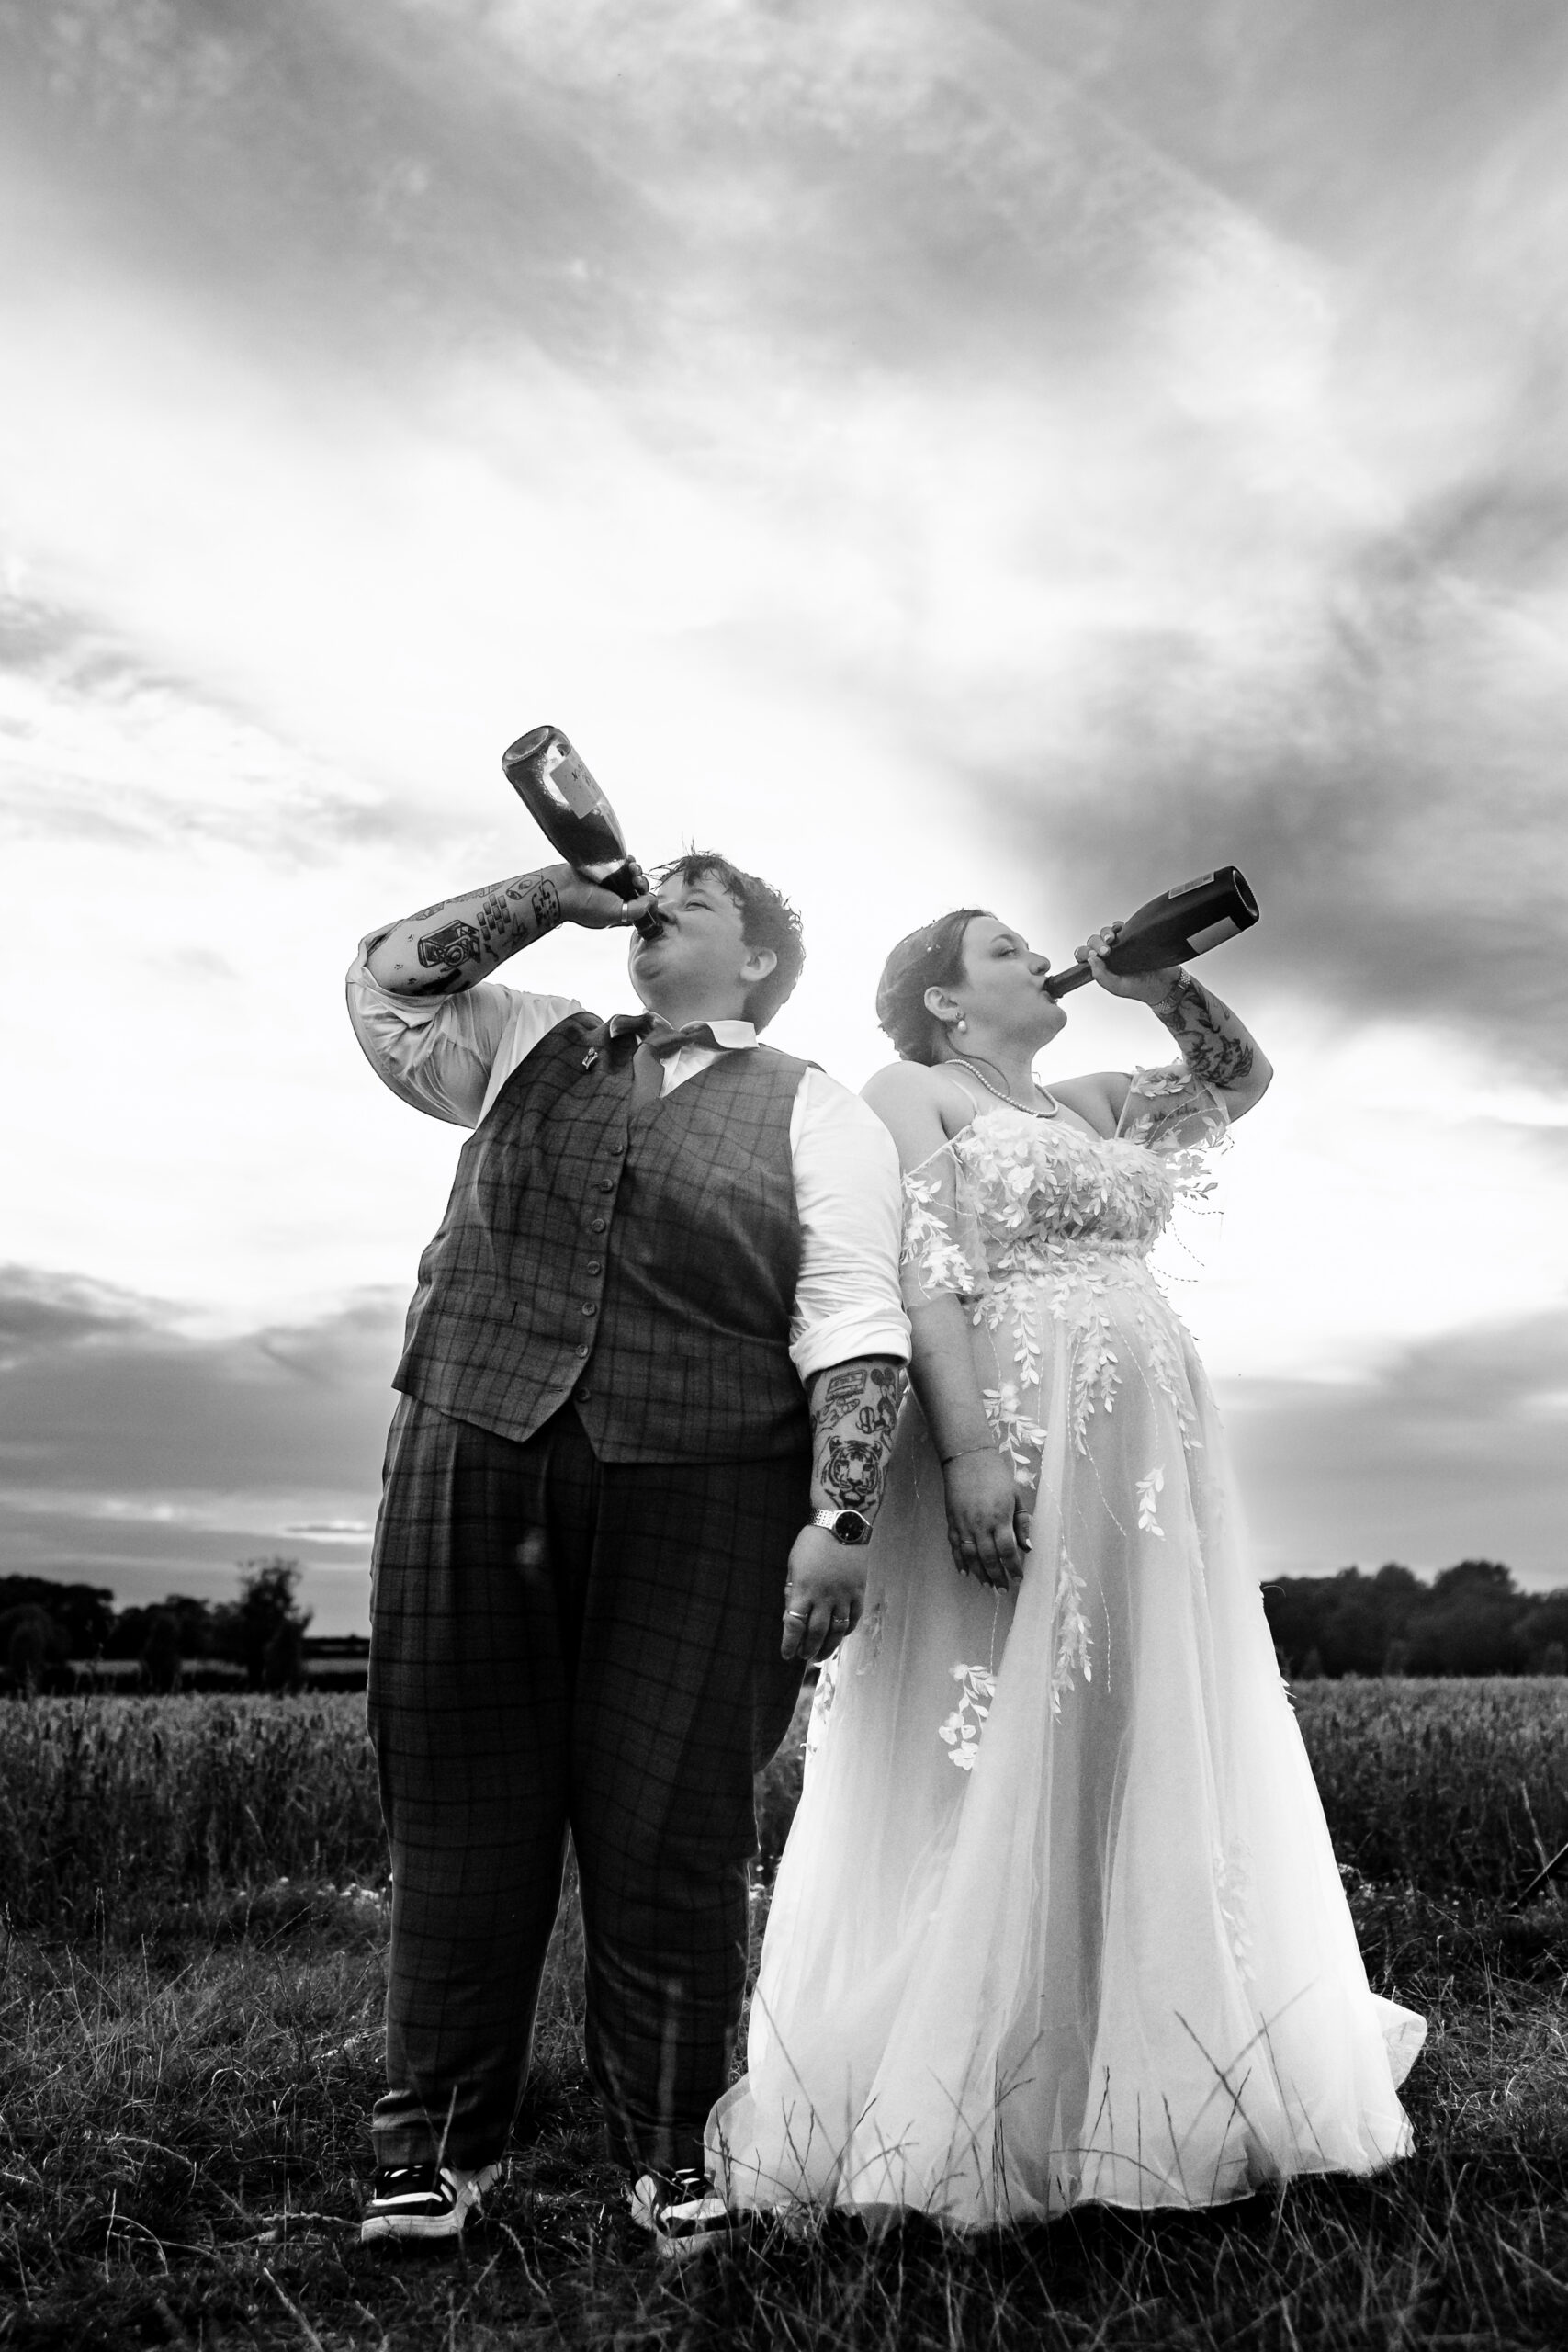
(803, 1614)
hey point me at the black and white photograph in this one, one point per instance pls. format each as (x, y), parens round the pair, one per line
(784, 1298)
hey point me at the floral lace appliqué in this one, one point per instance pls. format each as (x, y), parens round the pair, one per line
(1017, 1433)
(960, 1734)
(1148, 1492)
(1232, 1872)
(1071, 1643)
(929, 1246)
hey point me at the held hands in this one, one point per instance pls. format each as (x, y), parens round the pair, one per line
(824, 1595)
(987, 1519)
(1148, 986)
(584, 902)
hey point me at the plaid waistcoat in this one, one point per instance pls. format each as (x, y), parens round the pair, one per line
(643, 1266)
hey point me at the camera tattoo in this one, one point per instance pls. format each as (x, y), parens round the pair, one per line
(449, 949)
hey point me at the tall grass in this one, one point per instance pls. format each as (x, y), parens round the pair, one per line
(1456, 1787)
(181, 2115)
(182, 2161)
(112, 1809)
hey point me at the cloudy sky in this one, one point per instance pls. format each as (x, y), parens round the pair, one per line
(1000, 451)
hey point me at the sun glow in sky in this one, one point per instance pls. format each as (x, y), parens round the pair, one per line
(964, 451)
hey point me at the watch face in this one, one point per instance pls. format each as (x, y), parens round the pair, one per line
(850, 1528)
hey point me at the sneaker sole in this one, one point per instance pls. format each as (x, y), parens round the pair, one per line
(421, 2226)
(425, 2227)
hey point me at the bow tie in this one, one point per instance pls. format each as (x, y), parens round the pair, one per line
(657, 1037)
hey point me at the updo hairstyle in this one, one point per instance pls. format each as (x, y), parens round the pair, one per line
(931, 957)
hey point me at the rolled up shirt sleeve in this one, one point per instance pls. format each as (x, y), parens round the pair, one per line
(447, 1056)
(848, 1193)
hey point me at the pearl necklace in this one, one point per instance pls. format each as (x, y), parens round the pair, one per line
(1032, 1109)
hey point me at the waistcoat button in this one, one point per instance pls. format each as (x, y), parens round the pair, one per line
(597, 1224)
(589, 1307)
(594, 1267)
(606, 1184)
(581, 1350)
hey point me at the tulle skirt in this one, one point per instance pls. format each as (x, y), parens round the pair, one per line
(1059, 1919)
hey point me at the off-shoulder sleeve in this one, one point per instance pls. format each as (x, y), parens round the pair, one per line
(941, 1251)
(1173, 1112)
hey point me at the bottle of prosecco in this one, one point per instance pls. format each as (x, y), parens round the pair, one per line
(1173, 928)
(551, 780)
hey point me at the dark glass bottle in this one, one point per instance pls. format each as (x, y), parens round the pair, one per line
(1173, 928)
(550, 779)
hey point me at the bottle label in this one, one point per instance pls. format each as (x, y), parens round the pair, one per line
(1201, 941)
(1183, 888)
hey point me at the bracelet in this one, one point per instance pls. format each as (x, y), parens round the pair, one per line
(962, 1454)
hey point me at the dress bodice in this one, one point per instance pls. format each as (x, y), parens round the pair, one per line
(1013, 1193)
(1031, 1183)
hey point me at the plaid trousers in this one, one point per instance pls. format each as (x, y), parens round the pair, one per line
(563, 1645)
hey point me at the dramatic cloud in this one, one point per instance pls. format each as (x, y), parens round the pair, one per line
(1453, 1450)
(142, 1457)
(137, 1452)
(995, 450)
(103, 750)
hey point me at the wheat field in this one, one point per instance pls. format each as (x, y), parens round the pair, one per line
(190, 2032)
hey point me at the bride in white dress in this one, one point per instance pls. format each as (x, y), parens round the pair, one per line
(1058, 1918)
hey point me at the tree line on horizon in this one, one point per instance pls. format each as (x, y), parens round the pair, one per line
(1472, 1618)
(44, 1624)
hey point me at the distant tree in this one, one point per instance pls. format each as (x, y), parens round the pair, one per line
(265, 1614)
(1480, 1580)
(31, 1644)
(1468, 1623)
(1471, 1619)
(192, 1621)
(85, 1613)
(1349, 1620)
(283, 1665)
(160, 1650)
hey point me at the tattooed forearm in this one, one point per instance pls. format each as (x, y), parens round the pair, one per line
(1214, 1044)
(854, 1411)
(470, 936)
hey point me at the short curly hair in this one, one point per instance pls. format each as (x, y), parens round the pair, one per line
(767, 919)
(931, 957)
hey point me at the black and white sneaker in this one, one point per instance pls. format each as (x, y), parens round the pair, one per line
(683, 2214)
(423, 2202)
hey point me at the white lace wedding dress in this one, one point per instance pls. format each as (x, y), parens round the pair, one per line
(1058, 1918)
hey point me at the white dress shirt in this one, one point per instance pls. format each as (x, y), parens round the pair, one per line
(450, 1056)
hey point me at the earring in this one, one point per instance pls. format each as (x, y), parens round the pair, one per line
(961, 1024)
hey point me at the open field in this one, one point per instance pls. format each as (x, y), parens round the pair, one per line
(186, 2060)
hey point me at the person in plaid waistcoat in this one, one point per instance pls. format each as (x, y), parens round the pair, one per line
(648, 1391)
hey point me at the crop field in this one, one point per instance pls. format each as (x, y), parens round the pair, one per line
(191, 2039)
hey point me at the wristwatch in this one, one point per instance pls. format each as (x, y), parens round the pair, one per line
(843, 1526)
